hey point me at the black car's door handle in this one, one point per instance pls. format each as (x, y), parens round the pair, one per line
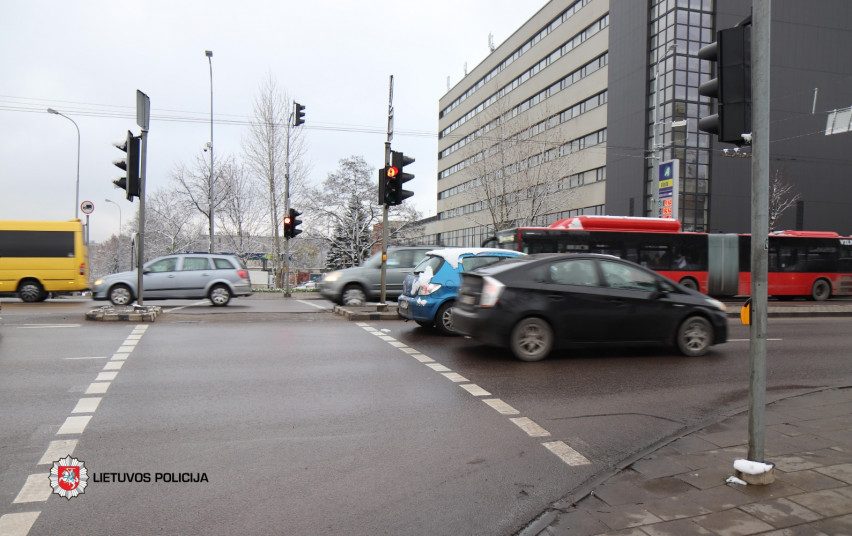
(555, 297)
(618, 302)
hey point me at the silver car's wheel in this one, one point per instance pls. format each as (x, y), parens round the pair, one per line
(120, 295)
(354, 295)
(220, 295)
(30, 291)
(444, 319)
(532, 339)
(694, 336)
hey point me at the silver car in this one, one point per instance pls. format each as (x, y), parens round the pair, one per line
(217, 277)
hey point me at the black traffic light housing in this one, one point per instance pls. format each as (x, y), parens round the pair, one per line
(291, 223)
(298, 114)
(731, 88)
(130, 165)
(393, 177)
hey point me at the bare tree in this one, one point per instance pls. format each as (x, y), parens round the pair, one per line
(242, 217)
(169, 224)
(346, 210)
(194, 186)
(264, 148)
(782, 196)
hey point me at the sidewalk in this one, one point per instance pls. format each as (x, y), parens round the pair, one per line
(680, 489)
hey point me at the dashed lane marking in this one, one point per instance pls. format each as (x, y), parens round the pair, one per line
(454, 377)
(173, 309)
(746, 340)
(501, 407)
(131, 342)
(126, 349)
(57, 449)
(422, 358)
(120, 356)
(47, 326)
(87, 405)
(106, 376)
(474, 389)
(530, 427)
(134, 336)
(398, 344)
(36, 489)
(73, 358)
(306, 302)
(409, 350)
(74, 425)
(113, 365)
(17, 524)
(97, 388)
(437, 367)
(566, 453)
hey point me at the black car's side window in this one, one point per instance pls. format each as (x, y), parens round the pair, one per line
(574, 272)
(622, 276)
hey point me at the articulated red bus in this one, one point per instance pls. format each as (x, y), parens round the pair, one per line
(814, 264)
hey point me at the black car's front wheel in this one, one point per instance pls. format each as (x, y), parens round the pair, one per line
(694, 336)
(532, 339)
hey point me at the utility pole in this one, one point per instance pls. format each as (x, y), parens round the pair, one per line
(211, 195)
(760, 60)
(143, 118)
(287, 203)
(382, 303)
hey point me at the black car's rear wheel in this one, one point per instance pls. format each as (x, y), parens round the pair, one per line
(532, 339)
(694, 336)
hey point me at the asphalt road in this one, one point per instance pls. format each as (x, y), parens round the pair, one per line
(304, 423)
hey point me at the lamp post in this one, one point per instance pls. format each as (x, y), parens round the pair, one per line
(77, 196)
(210, 189)
(117, 247)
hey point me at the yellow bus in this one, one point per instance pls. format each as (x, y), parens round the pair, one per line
(42, 257)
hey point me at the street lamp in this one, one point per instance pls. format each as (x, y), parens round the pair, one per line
(117, 247)
(209, 54)
(77, 197)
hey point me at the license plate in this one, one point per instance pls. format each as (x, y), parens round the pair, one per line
(403, 304)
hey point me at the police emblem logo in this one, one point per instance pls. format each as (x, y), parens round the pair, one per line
(68, 477)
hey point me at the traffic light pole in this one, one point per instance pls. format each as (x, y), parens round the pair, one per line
(760, 45)
(143, 118)
(287, 207)
(383, 294)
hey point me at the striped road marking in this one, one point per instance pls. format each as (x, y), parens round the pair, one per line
(74, 425)
(561, 449)
(307, 302)
(36, 489)
(97, 388)
(47, 326)
(87, 405)
(56, 450)
(17, 524)
(73, 358)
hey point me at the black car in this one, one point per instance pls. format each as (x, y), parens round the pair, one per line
(532, 304)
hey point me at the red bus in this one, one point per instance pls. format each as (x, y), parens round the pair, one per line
(814, 264)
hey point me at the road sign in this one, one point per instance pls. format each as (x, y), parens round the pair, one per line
(668, 188)
(87, 207)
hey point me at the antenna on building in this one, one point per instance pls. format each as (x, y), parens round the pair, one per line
(491, 42)
(465, 68)
(448, 83)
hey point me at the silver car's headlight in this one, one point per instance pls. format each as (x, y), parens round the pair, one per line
(331, 277)
(716, 304)
(99, 282)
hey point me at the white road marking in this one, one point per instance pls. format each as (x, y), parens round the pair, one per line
(386, 330)
(17, 524)
(106, 376)
(97, 388)
(47, 326)
(74, 425)
(474, 389)
(362, 324)
(57, 449)
(113, 365)
(454, 377)
(306, 302)
(437, 367)
(126, 349)
(422, 358)
(387, 338)
(398, 344)
(36, 489)
(73, 358)
(140, 327)
(368, 329)
(501, 406)
(87, 405)
(120, 356)
(134, 336)
(409, 350)
(566, 453)
(530, 427)
(747, 340)
(130, 342)
(173, 309)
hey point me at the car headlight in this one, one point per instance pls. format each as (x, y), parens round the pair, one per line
(331, 277)
(716, 304)
(99, 282)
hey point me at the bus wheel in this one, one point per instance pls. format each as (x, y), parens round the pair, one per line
(120, 295)
(821, 290)
(689, 283)
(30, 291)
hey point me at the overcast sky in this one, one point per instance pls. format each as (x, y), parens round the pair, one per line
(87, 59)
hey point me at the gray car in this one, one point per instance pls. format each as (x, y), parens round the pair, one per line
(217, 277)
(356, 286)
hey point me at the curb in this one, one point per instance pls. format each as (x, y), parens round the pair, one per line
(108, 313)
(367, 312)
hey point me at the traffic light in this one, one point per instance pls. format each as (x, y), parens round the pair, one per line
(731, 88)
(298, 114)
(291, 223)
(130, 165)
(395, 177)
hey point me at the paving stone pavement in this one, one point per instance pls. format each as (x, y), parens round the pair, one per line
(680, 489)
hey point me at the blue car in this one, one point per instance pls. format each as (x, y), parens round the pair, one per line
(428, 293)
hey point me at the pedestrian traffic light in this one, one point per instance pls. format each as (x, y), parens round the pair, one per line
(298, 114)
(130, 165)
(396, 176)
(291, 223)
(731, 88)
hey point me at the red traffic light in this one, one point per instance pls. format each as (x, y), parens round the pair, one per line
(287, 220)
(392, 172)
